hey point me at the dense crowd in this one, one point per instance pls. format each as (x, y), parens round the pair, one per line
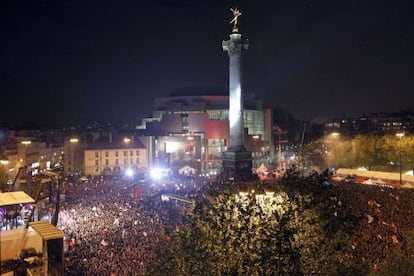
(110, 230)
(383, 218)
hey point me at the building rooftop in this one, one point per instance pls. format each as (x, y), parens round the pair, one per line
(105, 143)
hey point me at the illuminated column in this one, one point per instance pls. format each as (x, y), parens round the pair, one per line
(234, 47)
(237, 161)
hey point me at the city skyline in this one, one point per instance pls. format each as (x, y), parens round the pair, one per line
(82, 61)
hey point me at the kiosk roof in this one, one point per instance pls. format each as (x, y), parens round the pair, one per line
(15, 198)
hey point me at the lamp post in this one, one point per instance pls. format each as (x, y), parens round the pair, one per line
(73, 155)
(190, 140)
(255, 151)
(55, 216)
(335, 135)
(4, 161)
(26, 143)
(400, 135)
(127, 141)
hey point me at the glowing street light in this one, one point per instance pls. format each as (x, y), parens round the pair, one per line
(26, 143)
(129, 172)
(335, 135)
(4, 160)
(400, 135)
(72, 160)
(127, 141)
(256, 156)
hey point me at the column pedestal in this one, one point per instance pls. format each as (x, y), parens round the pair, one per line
(237, 164)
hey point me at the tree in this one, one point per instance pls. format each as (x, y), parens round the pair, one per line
(407, 152)
(292, 231)
(342, 150)
(366, 151)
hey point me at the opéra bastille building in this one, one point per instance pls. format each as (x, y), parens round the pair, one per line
(194, 131)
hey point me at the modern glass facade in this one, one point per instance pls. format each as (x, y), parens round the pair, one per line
(204, 118)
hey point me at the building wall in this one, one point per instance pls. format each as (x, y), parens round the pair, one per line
(110, 161)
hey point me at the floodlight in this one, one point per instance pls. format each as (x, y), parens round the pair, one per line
(129, 172)
(156, 173)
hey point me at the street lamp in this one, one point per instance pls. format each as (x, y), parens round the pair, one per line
(4, 161)
(335, 135)
(73, 159)
(127, 141)
(255, 151)
(400, 135)
(26, 143)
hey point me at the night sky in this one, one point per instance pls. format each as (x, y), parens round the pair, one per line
(65, 62)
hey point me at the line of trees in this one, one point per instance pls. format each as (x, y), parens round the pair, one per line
(373, 152)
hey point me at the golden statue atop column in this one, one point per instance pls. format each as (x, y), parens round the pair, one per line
(236, 14)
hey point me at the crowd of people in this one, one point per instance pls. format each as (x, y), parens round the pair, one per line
(112, 225)
(110, 230)
(383, 218)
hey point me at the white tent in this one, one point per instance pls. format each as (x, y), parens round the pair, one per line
(261, 169)
(379, 181)
(187, 170)
(368, 182)
(387, 176)
(337, 178)
(408, 186)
